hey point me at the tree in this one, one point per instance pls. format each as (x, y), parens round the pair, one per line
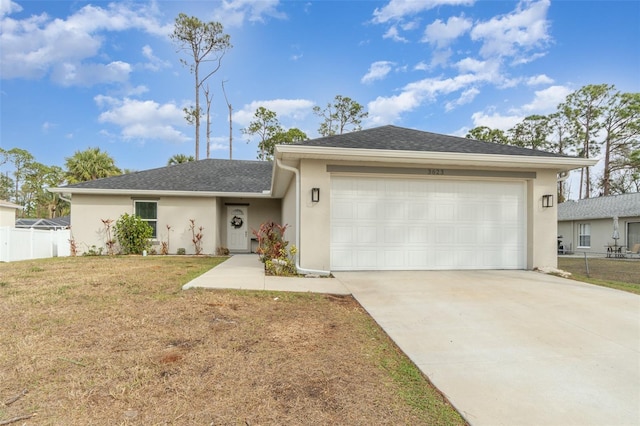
(532, 133)
(584, 109)
(560, 133)
(90, 164)
(338, 116)
(484, 133)
(179, 159)
(621, 126)
(22, 161)
(203, 42)
(267, 126)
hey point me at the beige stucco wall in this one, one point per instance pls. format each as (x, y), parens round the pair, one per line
(7, 216)
(88, 210)
(542, 229)
(288, 211)
(601, 234)
(315, 217)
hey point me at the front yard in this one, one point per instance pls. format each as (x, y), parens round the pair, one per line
(621, 274)
(114, 340)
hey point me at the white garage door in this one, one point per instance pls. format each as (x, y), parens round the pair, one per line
(421, 224)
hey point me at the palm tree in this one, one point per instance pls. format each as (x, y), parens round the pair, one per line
(179, 159)
(90, 164)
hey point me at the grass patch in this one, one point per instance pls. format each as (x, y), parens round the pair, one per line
(114, 340)
(621, 274)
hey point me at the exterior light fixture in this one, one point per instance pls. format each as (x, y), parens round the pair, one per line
(315, 195)
(547, 200)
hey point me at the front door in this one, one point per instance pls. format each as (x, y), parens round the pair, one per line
(237, 229)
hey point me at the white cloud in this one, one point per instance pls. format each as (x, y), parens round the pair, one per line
(443, 34)
(394, 35)
(495, 120)
(539, 79)
(143, 120)
(547, 100)
(34, 46)
(69, 74)
(398, 9)
(296, 109)
(466, 97)
(377, 71)
(7, 7)
(515, 33)
(233, 13)
(154, 63)
(386, 110)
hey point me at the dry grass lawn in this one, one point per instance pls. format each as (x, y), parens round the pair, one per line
(114, 340)
(621, 274)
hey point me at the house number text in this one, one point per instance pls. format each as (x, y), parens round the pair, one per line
(435, 172)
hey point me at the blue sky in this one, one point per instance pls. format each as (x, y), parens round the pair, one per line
(78, 74)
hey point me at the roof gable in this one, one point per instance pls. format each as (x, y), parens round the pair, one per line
(625, 205)
(403, 139)
(209, 175)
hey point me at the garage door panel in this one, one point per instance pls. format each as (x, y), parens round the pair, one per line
(427, 224)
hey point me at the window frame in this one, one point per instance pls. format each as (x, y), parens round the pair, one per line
(152, 222)
(584, 232)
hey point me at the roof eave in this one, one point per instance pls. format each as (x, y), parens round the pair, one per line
(296, 152)
(149, 193)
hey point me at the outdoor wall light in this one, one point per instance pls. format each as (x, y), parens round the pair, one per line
(547, 200)
(315, 195)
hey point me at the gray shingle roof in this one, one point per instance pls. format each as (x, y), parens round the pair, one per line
(211, 175)
(403, 139)
(626, 205)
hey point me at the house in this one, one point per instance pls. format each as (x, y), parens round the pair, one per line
(8, 213)
(386, 198)
(587, 225)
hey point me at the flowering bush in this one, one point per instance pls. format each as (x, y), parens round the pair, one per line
(273, 251)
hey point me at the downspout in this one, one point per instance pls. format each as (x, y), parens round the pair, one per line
(298, 267)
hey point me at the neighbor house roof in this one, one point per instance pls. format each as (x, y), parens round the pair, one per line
(625, 205)
(8, 204)
(210, 175)
(55, 223)
(403, 139)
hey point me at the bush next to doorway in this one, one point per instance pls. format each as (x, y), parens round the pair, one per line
(273, 251)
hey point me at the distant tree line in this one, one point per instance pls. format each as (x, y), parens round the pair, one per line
(596, 120)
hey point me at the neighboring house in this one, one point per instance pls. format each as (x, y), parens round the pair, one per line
(587, 225)
(383, 198)
(47, 224)
(8, 213)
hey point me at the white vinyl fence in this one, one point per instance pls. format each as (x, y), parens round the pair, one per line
(23, 244)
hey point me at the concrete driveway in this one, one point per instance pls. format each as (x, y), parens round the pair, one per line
(514, 347)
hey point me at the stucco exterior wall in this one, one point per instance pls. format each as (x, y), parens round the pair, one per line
(601, 234)
(315, 217)
(542, 229)
(88, 210)
(288, 211)
(7, 216)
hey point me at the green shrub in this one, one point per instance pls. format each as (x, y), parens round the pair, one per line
(133, 234)
(182, 251)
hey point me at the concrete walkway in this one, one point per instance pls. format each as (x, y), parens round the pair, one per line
(246, 272)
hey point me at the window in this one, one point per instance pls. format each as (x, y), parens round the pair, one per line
(633, 234)
(584, 235)
(148, 211)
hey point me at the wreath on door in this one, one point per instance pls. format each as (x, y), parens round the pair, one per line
(236, 222)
